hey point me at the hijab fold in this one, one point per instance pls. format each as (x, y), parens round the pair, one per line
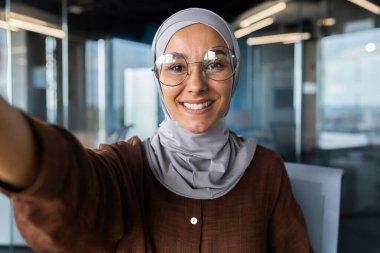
(204, 165)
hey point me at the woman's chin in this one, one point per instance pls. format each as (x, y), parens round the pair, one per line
(197, 128)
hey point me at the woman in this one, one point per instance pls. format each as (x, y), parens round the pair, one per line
(193, 187)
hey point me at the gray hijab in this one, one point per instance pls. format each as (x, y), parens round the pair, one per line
(205, 165)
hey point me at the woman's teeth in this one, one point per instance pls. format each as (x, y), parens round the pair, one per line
(197, 106)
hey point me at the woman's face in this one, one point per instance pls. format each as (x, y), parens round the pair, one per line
(198, 102)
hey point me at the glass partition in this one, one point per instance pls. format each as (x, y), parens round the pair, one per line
(272, 97)
(325, 87)
(349, 119)
(106, 76)
(30, 78)
(133, 89)
(36, 69)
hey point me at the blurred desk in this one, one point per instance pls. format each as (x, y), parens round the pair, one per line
(335, 144)
(339, 140)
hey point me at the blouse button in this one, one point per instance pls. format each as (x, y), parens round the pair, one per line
(193, 220)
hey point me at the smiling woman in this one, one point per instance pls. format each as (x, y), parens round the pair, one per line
(203, 95)
(194, 186)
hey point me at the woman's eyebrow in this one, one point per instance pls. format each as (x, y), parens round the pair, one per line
(220, 51)
(177, 54)
(217, 51)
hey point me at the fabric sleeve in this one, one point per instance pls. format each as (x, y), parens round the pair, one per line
(287, 227)
(75, 203)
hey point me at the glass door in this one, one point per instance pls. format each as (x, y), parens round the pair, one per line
(274, 93)
(273, 41)
(31, 75)
(36, 59)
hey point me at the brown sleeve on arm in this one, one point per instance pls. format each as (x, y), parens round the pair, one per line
(8, 188)
(74, 205)
(287, 228)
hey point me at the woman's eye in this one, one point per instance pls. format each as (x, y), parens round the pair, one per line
(215, 66)
(177, 68)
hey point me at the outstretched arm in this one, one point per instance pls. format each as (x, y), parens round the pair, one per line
(17, 151)
(65, 198)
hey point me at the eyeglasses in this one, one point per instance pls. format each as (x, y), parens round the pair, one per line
(218, 64)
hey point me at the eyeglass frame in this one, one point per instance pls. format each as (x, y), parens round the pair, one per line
(234, 66)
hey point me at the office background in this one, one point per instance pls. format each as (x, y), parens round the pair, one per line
(314, 97)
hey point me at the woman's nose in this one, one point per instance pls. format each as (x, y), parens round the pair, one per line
(196, 82)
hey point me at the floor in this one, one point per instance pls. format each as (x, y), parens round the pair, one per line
(359, 235)
(360, 200)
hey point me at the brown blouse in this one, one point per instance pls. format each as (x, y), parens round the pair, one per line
(108, 200)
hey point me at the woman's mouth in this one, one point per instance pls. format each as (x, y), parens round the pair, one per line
(199, 106)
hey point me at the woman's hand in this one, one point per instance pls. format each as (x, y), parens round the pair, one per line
(17, 148)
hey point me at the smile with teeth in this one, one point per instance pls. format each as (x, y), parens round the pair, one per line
(197, 106)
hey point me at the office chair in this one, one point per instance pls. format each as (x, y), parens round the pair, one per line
(317, 190)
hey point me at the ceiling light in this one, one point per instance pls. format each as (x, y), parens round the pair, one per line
(49, 31)
(266, 10)
(367, 5)
(254, 27)
(278, 38)
(34, 25)
(6, 26)
(370, 47)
